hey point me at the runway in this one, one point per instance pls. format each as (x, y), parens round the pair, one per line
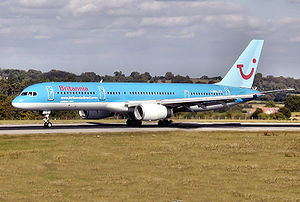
(92, 127)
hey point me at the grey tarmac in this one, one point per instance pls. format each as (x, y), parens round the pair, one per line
(92, 127)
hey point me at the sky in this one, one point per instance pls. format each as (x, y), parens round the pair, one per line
(187, 37)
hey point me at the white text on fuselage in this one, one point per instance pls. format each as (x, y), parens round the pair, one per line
(78, 98)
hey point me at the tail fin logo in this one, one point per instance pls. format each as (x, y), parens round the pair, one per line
(246, 77)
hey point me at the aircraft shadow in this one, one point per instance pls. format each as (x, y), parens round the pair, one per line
(95, 125)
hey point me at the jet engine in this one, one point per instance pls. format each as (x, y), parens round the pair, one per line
(97, 114)
(152, 112)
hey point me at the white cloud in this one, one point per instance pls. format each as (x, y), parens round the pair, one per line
(167, 21)
(42, 37)
(152, 5)
(295, 38)
(294, 1)
(181, 36)
(79, 7)
(42, 3)
(135, 34)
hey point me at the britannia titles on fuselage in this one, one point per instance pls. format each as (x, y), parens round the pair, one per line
(69, 88)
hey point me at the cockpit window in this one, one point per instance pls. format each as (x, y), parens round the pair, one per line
(31, 93)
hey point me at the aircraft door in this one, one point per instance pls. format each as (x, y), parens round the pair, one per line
(186, 94)
(50, 92)
(102, 94)
(227, 91)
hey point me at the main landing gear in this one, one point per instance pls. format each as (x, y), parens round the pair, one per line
(47, 123)
(133, 122)
(164, 123)
(161, 123)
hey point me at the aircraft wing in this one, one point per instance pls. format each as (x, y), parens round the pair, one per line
(193, 101)
(203, 100)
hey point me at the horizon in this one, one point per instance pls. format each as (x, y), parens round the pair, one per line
(127, 75)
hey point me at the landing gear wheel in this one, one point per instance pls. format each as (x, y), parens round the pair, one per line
(164, 123)
(48, 125)
(131, 122)
(138, 123)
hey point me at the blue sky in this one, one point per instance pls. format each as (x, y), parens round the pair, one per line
(185, 37)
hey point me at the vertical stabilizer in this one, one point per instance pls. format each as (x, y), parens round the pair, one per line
(243, 71)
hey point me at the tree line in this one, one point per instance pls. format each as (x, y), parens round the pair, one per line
(13, 81)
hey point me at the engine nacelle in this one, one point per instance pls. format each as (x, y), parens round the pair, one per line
(152, 112)
(94, 114)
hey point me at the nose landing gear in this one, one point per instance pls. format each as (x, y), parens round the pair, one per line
(47, 123)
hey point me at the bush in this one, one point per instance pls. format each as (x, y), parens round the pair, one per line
(270, 104)
(293, 103)
(263, 116)
(285, 111)
(256, 113)
(278, 116)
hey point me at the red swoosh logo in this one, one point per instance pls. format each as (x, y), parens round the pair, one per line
(246, 77)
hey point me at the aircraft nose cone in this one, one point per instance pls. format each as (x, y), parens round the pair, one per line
(17, 103)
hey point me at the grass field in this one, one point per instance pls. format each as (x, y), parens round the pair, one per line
(151, 166)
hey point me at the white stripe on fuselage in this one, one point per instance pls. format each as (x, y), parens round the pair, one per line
(108, 106)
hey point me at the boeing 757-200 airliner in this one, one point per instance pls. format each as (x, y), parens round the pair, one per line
(146, 101)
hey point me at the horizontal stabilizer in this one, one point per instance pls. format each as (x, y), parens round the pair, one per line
(276, 91)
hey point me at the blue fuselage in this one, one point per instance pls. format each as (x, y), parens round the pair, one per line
(95, 96)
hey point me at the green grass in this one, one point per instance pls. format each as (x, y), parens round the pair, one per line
(151, 166)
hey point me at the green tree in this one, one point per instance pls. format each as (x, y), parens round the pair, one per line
(285, 111)
(278, 116)
(270, 103)
(263, 116)
(146, 77)
(169, 76)
(293, 103)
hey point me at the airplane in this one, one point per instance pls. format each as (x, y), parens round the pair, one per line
(146, 101)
